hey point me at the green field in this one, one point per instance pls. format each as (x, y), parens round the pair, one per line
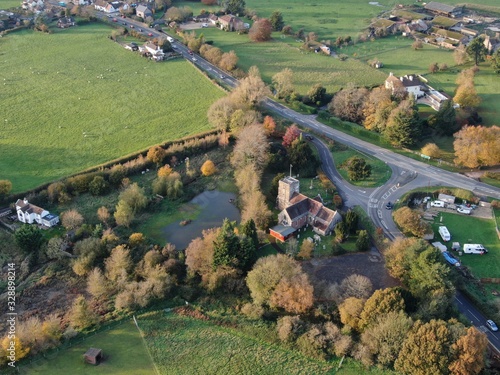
(182, 345)
(468, 229)
(74, 99)
(123, 349)
(7, 4)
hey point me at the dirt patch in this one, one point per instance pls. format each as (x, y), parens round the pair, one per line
(192, 313)
(335, 269)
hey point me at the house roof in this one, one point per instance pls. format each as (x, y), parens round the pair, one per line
(226, 18)
(142, 8)
(325, 214)
(447, 34)
(444, 21)
(392, 78)
(28, 207)
(383, 23)
(49, 217)
(212, 17)
(440, 7)
(410, 80)
(298, 209)
(93, 352)
(101, 3)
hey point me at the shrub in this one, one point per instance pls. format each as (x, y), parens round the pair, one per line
(208, 168)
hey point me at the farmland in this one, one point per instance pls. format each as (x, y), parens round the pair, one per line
(75, 99)
(184, 345)
(7, 4)
(123, 349)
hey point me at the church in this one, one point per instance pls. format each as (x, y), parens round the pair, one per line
(298, 210)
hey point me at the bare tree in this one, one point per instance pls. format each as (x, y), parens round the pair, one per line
(71, 219)
(251, 147)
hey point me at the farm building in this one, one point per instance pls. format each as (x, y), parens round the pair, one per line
(443, 9)
(93, 356)
(297, 210)
(65, 22)
(450, 199)
(29, 214)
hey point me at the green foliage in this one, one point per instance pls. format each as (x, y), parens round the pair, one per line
(98, 186)
(81, 315)
(351, 221)
(5, 188)
(273, 192)
(404, 125)
(476, 50)
(317, 94)
(226, 245)
(495, 62)
(358, 169)
(29, 238)
(363, 241)
(341, 232)
(445, 120)
(234, 6)
(303, 159)
(277, 20)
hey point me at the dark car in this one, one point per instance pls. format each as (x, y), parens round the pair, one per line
(309, 137)
(389, 206)
(491, 325)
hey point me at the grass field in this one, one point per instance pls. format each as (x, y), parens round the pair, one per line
(7, 4)
(182, 345)
(468, 229)
(123, 349)
(74, 99)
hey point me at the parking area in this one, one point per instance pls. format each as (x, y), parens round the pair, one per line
(195, 25)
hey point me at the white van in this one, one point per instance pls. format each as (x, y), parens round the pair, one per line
(464, 210)
(444, 233)
(474, 248)
(170, 39)
(437, 204)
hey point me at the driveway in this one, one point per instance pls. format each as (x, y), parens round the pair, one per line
(194, 25)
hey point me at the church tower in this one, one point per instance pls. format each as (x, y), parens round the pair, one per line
(287, 187)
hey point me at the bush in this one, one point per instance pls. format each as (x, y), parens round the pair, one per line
(253, 311)
(208, 168)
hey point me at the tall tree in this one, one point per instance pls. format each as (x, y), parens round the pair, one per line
(81, 316)
(283, 83)
(477, 146)
(303, 159)
(460, 55)
(476, 50)
(276, 20)
(445, 120)
(317, 94)
(294, 295)
(261, 30)
(71, 219)
(123, 214)
(156, 154)
(495, 61)
(351, 221)
(226, 245)
(234, 6)
(404, 126)
(292, 133)
(134, 197)
(29, 239)
(410, 222)
(381, 302)
(251, 147)
(5, 188)
(470, 350)
(358, 168)
(426, 349)
(348, 104)
(118, 264)
(220, 112)
(466, 95)
(250, 92)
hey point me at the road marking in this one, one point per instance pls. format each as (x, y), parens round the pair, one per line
(456, 299)
(383, 223)
(379, 214)
(347, 187)
(472, 314)
(362, 191)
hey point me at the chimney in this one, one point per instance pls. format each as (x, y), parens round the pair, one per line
(401, 78)
(411, 78)
(25, 201)
(391, 74)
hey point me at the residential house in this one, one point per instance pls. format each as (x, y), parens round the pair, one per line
(445, 22)
(155, 51)
(298, 210)
(132, 46)
(469, 32)
(65, 22)
(436, 98)
(29, 214)
(231, 23)
(100, 5)
(107, 7)
(443, 9)
(143, 11)
(385, 25)
(213, 19)
(33, 5)
(410, 82)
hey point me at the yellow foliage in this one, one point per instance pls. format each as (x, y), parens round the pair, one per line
(164, 171)
(208, 168)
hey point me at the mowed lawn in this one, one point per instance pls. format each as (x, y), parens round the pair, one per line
(74, 99)
(183, 345)
(7, 4)
(469, 229)
(123, 349)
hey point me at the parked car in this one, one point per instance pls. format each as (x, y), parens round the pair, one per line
(389, 206)
(464, 210)
(491, 325)
(150, 34)
(437, 204)
(204, 25)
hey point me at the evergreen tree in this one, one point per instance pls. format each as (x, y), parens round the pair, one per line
(445, 120)
(495, 61)
(29, 239)
(363, 242)
(303, 159)
(351, 221)
(404, 126)
(226, 245)
(277, 21)
(476, 50)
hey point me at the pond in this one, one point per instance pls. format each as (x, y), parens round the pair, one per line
(214, 207)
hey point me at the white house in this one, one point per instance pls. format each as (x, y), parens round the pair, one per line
(155, 51)
(108, 7)
(410, 82)
(29, 213)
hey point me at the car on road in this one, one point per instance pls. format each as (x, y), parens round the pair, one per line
(115, 20)
(491, 325)
(389, 206)
(139, 29)
(132, 26)
(190, 52)
(150, 34)
(195, 59)
(222, 76)
(123, 16)
(308, 137)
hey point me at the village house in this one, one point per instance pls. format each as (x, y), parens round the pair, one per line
(231, 23)
(213, 19)
(29, 214)
(143, 11)
(33, 5)
(107, 7)
(410, 82)
(65, 22)
(298, 210)
(155, 51)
